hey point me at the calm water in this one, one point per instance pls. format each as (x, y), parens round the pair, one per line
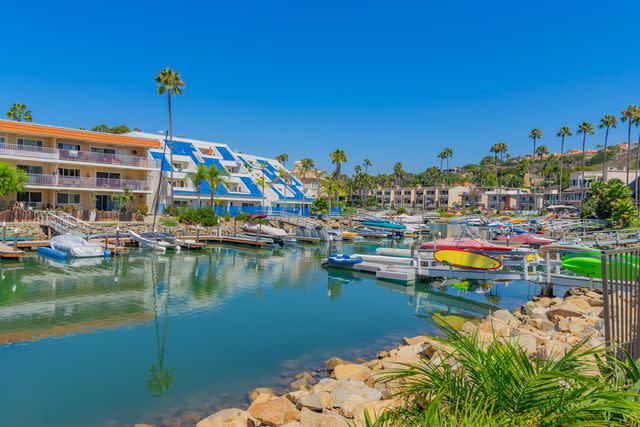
(141, 337)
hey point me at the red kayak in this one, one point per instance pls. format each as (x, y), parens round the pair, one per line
(465, 244)
(527, 239)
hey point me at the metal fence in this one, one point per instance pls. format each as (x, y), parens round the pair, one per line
(621, 295)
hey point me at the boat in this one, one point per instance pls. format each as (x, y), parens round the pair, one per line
(167, 240)
(264, 230)
(465, 244)
(145, 243)
(380, 224)
(526, 239)
(466, 259)
(589, 266)
(72, 246)
(334, 235)
(369, 233)
(343, 260)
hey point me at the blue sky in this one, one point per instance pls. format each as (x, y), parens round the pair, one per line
(385, 80)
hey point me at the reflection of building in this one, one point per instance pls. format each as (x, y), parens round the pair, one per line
(71, 167)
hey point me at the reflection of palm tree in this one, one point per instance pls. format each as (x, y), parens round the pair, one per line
(160, 377)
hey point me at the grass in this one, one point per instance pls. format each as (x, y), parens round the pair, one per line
(500, 386)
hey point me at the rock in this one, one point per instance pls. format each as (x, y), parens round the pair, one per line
(542, 324)
(383, 354)
(555, 348)
(469, 328)
(292, 424)
(275, 412)
(565, 309)
(504, 316)
(528, 307)
(232, 417)
(374, 410)
(332, 363)
(313, 419)
(316, 401)
(262, 398)
(325, 384)
(539, 313)
(414, 340)
(350, 406)
(544, 302)
(525, 340)
(593, 295)
(301, 384)
(294, 396)
(143, 425)
(260, 390)
(172, 422)
(351, 371)
(344, 391)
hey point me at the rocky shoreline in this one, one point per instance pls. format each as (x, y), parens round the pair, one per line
(340, 394)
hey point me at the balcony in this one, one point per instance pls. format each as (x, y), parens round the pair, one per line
(72, 156)
(100, 184)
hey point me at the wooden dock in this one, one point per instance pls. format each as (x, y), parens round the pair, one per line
(233, 240)
(7, 251)
(310, 240)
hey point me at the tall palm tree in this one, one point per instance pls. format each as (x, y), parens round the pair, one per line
(306, 164)
(19, 112)
(448, 153)
(607, 122)
(398, 173)
(338, 157)
(214, 178)
(637, 122)
(629, 115)
(585, 129)
(169, 82)
(366, 163)
(198, 178)
(535, 134)
(283, 158)
(563, 132)
(498, 149)
(284, 176)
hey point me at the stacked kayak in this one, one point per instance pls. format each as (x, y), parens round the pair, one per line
(464, 244)
(466, 259)
(589, 264)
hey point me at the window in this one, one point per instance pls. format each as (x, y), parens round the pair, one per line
(30, 198)
(68, 199)
(101, 150)
(29, 142)
(30, 169)
(69, 172)
(107, 175)
(2, 140)
(105, 202)
(70, 147)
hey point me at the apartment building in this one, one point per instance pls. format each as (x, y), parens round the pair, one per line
(426, 198)
(310, 179)
(580, 185)
(76, 167)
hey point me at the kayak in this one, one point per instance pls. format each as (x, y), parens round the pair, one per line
(466, 259)
(385, 225)
(464, 244)
(592, 266)
(526, 239)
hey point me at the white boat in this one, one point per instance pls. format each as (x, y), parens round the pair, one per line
(145, 243)
(263, 230)
(75, 246)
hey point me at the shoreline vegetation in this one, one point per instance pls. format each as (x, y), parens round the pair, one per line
(548, 345)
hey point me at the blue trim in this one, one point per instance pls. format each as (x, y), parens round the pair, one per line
(158, 157)
(225, 153)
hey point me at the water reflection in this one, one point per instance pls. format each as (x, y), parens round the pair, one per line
(160, 377)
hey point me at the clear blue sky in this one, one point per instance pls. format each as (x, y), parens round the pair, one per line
(386, 80)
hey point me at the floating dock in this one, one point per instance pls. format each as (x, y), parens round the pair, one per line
(8, 252)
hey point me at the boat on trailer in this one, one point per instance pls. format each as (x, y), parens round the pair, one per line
(72, 246)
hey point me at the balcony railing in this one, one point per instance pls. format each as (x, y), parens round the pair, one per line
(46, 153)
(80, 182)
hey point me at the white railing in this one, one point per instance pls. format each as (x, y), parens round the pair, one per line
(81, 182)
(53, 154)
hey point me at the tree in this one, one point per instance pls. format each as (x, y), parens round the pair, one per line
(629, 116)
(398, 173)
(607, 122)
(612, 201)
(282, 158)
(535, 134)
(127, 200)
(198, 178)
(367, 164)
(261, 182)
(306, 165)
(585, 129)
(498, 149)
(12, 180)
(117, 129)
(320, 206)
(170, 83)
(542, 151)
(563, 132)
(284, 176)
(214, 178)
(19, 112)
(338, 157)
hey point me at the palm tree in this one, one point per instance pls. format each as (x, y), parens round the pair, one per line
(171, 83)
(542, 151)
(448, 153)
(535, 134)
(563, 132)
(284, 176)
(637, 122)
(607, 122)
(306, 164)
(498, 149)
(283, 158)
(338, 157)
(629, 116)
(214, 178)
(366, 163)
(398, 173)
(198, 178)
(585, 129)
(19, 112)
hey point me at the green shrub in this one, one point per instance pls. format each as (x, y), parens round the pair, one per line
(203, 216)
(168, 222)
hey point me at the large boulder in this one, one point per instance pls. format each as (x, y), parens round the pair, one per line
(332, 363)
(505, 316)
(258, 391)
(414, 340)
(565, 309)
(374, 409)
(352, 371)
(314, 419)
(232, 417)
(275, 412)
(316, 401)
(346, 391)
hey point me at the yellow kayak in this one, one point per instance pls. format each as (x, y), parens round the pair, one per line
(516, 221)
(464, 259)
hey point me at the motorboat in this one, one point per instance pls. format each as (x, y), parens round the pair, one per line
(379, 224)
(72, 246)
